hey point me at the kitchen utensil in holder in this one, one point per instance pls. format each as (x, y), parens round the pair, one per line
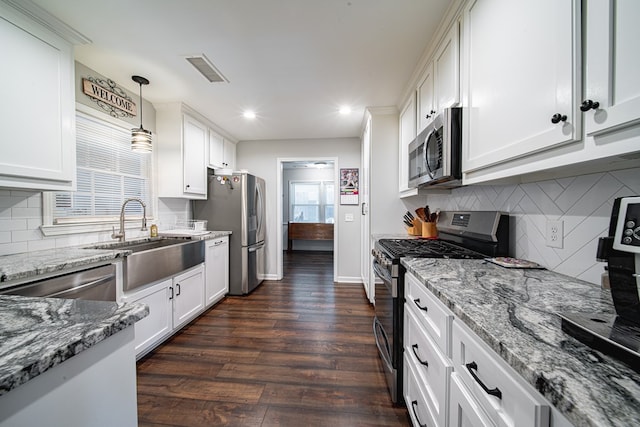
(429, 229)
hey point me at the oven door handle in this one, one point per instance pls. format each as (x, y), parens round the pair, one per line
(390, 283)
(377, 326)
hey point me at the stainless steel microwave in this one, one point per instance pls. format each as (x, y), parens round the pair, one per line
(435, 155)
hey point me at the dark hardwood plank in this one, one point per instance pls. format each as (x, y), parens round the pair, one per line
(295, 352)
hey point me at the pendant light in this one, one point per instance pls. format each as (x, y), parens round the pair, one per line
(140, 138)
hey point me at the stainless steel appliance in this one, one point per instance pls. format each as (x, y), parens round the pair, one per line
(463, 235)
(98, 284)
(236, 203)
(435, 155)
(617, 335)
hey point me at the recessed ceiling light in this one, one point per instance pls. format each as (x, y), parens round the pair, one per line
(345, 110)
(249, 114)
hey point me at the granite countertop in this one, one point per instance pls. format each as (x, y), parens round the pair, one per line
(22, 266)
(514, 312)
(37, 334)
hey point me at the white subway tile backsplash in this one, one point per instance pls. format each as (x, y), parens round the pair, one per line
(40, 245)
(13, 248)
(13, 224)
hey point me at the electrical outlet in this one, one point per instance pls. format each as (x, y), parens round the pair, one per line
(555, 234)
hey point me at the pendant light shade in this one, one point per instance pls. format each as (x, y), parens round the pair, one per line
(140, 137)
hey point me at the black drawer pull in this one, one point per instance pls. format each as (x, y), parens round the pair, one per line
(415, 414)
(417, 303)
(414, 348)
(493, 392)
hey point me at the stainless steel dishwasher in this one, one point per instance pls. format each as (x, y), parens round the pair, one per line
(97, 283)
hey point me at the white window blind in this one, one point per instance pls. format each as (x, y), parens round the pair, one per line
(108, 172)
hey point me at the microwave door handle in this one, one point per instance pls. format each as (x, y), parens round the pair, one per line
(426, 152)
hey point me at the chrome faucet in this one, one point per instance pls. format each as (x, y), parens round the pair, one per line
(120, 234)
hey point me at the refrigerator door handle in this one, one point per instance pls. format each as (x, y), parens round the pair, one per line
(256, 247)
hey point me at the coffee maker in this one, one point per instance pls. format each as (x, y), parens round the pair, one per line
(617, 335)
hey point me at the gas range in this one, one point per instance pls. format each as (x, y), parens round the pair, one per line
(463, 235)
(425, 248)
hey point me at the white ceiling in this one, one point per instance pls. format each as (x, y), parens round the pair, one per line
(293, 62)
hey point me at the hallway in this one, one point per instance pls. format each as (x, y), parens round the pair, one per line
(295, 352)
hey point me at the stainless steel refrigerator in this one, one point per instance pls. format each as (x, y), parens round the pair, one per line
(236, 203)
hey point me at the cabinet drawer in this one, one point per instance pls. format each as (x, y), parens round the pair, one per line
(431, 313)
(415, 399)
(463, 408)
(505, 398)
(431, 367)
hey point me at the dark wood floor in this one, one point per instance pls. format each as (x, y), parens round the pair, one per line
(296, 352)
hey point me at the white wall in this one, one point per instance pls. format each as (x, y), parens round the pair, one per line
(582, 202)
(261, 158)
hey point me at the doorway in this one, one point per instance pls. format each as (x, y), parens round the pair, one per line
(315, 180)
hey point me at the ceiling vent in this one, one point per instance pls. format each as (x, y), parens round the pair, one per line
(206, 68)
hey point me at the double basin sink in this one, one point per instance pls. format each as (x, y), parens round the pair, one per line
(155, 259)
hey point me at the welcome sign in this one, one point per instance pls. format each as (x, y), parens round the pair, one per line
(93, 89)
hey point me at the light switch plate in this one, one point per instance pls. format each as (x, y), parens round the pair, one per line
(348, 217)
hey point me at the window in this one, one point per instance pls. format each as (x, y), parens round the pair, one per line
(311, 201)
(108, 172)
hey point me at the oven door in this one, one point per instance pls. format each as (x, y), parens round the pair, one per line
(383, 326)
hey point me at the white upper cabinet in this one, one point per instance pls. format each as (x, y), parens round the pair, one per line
(181, 147)
(426, 99)
(612, 65)
(222, 152)
(446, 70)
(407, 134)
(439, 86)
(37, 125)
(521, 79)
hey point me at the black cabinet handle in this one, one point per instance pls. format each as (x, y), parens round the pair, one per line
(493, 392)
(588, 104)
(557, 118)
(171, 288)
(423, 362)
(178, 286)
(417, 303)
(415, 414)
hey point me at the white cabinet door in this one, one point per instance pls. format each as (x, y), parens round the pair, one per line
(188, 299)
(181, 149)
(216, 150)
(464, 411)
(407, 134)
(37, 124)
(521, 75)
(229, 154)
(365, 221)
(151, 330)
(426, 99)
(612, 64)
(194, 153)
(446, 70)
(216, 270)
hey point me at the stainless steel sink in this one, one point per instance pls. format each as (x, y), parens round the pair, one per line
(153, 260)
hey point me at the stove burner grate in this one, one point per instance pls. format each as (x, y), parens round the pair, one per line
(419, 248)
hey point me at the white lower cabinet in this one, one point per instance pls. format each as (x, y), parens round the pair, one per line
(216, 270)
(188, 300)
(494, 385)
(464, 410)
(172, 304)
(428, 366)
(452, 378)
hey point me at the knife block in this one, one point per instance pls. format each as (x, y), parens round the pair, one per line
(429, 229)
(416, 230)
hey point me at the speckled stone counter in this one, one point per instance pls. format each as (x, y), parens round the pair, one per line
(514, 312)
(31, 264)
(37, 334)
(23, 266)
